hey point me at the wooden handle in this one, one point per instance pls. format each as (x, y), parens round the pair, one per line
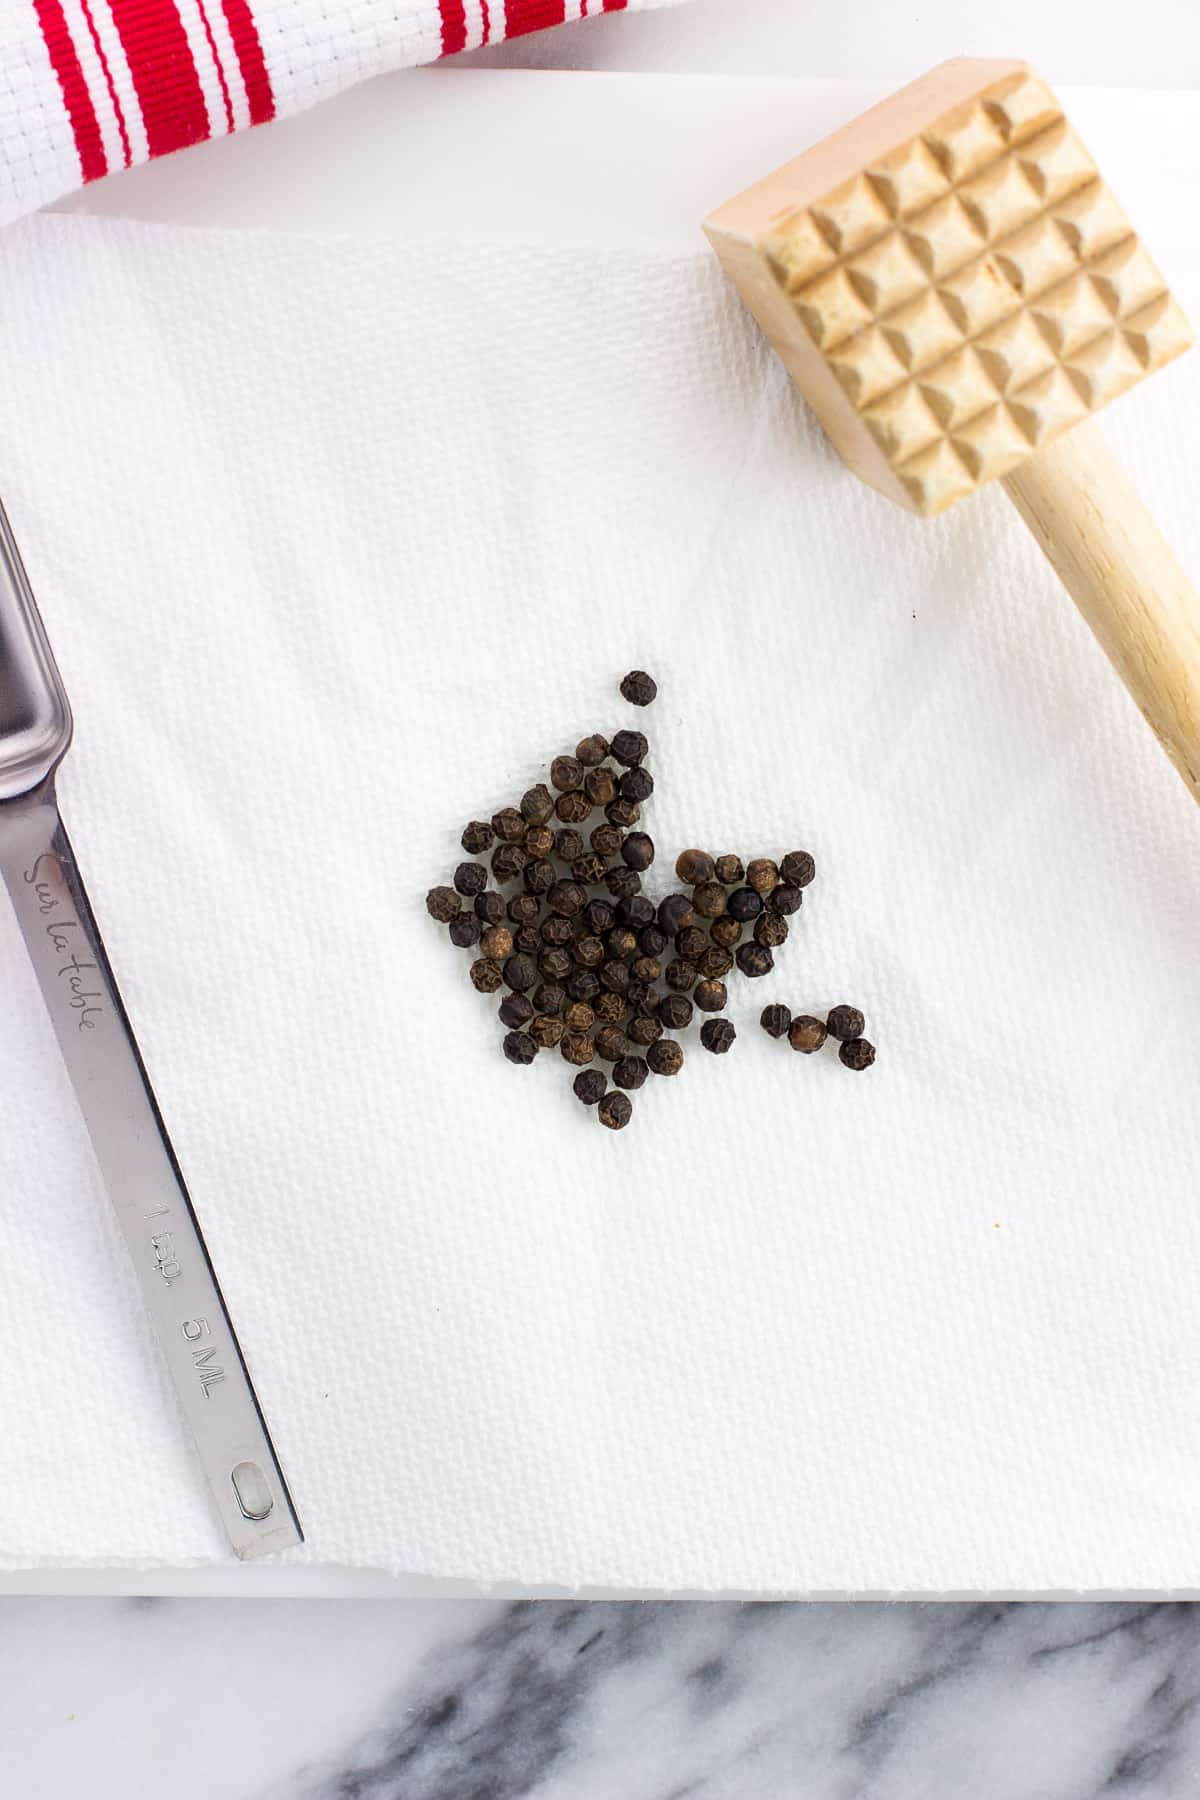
(1119, 570)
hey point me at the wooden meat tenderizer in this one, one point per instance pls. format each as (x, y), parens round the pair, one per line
(956, 291)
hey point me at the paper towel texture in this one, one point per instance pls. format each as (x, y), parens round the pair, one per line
(336, 556)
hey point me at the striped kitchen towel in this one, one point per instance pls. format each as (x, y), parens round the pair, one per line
(89, 86)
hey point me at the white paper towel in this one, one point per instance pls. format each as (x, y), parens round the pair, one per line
(338, 544)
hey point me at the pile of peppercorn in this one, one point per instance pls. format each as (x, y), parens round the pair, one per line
(588, 962)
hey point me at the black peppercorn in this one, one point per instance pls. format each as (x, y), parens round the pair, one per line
(537, 804)
(806, 1034)
(599, 917)
(589, 951)
(539, 877)
(591, 750)
(487, 976)
(643, 1030)
(674, 913)
(556, 930)
(770, 929)
(710, 996)
(690, 943)
(489, 907)
(629, 1072)
(775, 1019)
(652, 940)
(715, 964)
(546, 1030)
(568, 844)
(845, 1022)
(526, 940)
(588, 868)
(515, 1011)
(572, 808)
(710, 899)
(744, 905)
(646, 969)
(785, 899)
(857, 1053)
(629, 747)
(576, 1047)
(615, 1111)
(729, 870)
(637, 996)
(600, 786)
(623, 813)
(622, 882)
(621, 942)
(470, 878)
(754, 959)
(606, 840)
(443, 904)
(726, 932)
(797, 868)
(496, 942)
(507, 861)
(524, 909)
(520, 972)
(762, 875)
(538, 841)
(717, 1035)
(555, 963)
(566, 898)
(665, 1057)
(639, 688)
(566, 774)
(615, 977)
(589, 1086)
(582, 984)
(465, 930)
(519, 1047)
(477, 837)
(694, 867)
(637, 850)
(636, 911)
(637, 784)
(550, 998)
(610, 1008)
(675, 1011)
(579, 1017)
(610, 1043)
(509, 825)
(681, 975)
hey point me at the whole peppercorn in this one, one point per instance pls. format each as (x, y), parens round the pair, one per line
(589, 1086)
(589, 951)
(630, 1072)
(754, 959)
(710, 996)
(621, 882)
(566, 898)
(610, 1008)
(443, 904)
(496, 942)
(578, 1016)
(465, 930)
(637, 784)
(636, 911)
(546, 1030)
(637, 850)
(566, 774)
(526, 941)
(519, 1047)
(568, 844)
(550, 997)
(487, 976)
(845, 1022)
(615, 1110)
(639, 688)
(470, 878)
(524, 909)
(591, 750)
(615, 977)
(555, 963)
(509, 825)
(556, 930)
(576, 1047)
(710, 899)
(520, 972)
(610, 1043)
(623, 813)
(785, 899)
(729, 870)
(744, 905)
(515, 1011)
(681, 975)
(675, 1012)
(775, 1019)
(665, 1057)
(647, 969)
(690, 943)
(507, 861)
(797, 868)
(694, 867)
(621, 941)
(583, 985)
(806, 1034)
(588, 868)
(598, 917)
(539, 877)
(538, 841)
(643, 1030)
(477, 837)
(726, 932)
(600, 786)
(651, 939)
(628, 748)
(717, 1035)
(675, 913)
(537, 804)
(572, 808)
(489, 907)
(715, 964)
(770, 929)
(606, 840)
(638, 997)
(762, 875)
(857, 1053)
